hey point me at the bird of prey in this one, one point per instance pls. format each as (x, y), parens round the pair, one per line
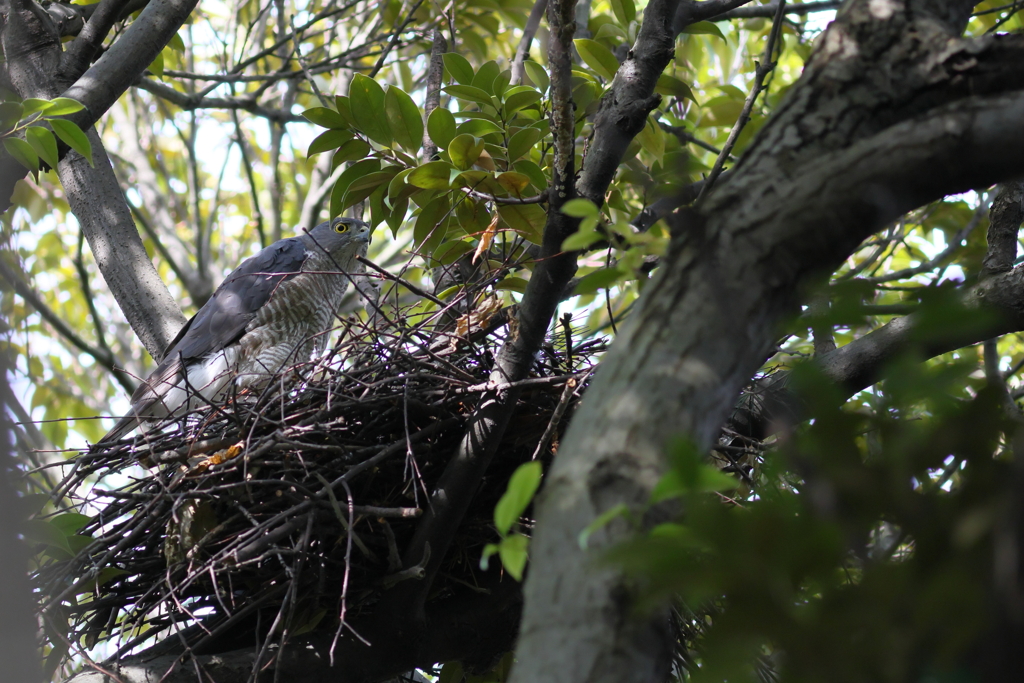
(271, 312)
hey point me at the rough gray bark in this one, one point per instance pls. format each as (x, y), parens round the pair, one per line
(38, 68)
(847, 151)
(100, 207)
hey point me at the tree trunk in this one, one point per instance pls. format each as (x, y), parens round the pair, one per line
(845, 153)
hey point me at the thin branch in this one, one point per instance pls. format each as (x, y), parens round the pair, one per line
(435, 75)
(194, 102)
(529, 31)
(764, 67)
(769, 10)
(102, 356)
(394, 39)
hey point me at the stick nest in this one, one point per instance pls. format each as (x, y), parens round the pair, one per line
(282, 510)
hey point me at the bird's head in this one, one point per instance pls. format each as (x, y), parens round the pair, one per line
(342, 238)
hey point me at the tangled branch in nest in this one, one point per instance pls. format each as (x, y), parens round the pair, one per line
(282, 512)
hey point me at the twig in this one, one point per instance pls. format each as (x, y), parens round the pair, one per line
(529, 31)
(764, 67)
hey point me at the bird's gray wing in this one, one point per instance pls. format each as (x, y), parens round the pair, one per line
(222, 320)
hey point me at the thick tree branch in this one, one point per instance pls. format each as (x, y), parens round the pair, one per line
(435, 75)
(624, 108)
(1004, 225)
(83, 48)
(808, 191)
(529, 31)
(768, 11)
(193, 102)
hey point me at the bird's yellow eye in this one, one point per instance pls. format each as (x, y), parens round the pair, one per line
(341, 227)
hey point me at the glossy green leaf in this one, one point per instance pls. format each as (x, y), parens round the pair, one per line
(522, 142)
(515, 183)
(62, 106)
(533, 172)
(441, 127)
(458, 67)
(326, 117)
(354, 149)
(624, 11)
(484, 78)
(344, 107)
(433, 175)
(704, 28)
(10, 114)
(465, 150)
(34, 105)
(520, 100)
(328, 140)
(22, 152)
(478, 128)
(599, 279)
(404, 119)
(537, 74)
(432, 224)
(580, 208)
(597, 57)
(526, 219)
(356, 170)
(582, 239)
(74, 137)
(670, 85)
(366, 98)
(512, 284)
(522, 486)
(469, 93)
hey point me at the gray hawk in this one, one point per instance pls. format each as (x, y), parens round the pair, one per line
(271, 312)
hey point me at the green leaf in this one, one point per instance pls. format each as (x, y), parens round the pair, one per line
(328, 140)
(22, 152)
(597, 57)
(450, 251)
(522, 142)
(514, 182)
(581, 239)
(362, 187)
(624, 11)
(512, 284)
(61, 106)
(432, 224)
(464, 151)
(441, 127)
(652, 139)
(404, 119)
(33, 105)
(345, 109)
(520, 100)
(458, 67)
(157, 66)
(670, 85)
(366, 98)
(484, 78)
(356, 148)
(599, 279)
(69, 522)
(469, 94)
(10, 114)
(537, 75)
(526, 219)
(522, 486)
(704, 28)
(356, 170)
(44, 144)
(514, 551)
(535, 173)
(326, 117)
(580, 208)
(478, 128)
(433, 175)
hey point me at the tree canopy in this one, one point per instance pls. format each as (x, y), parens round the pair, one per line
(733, 285)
